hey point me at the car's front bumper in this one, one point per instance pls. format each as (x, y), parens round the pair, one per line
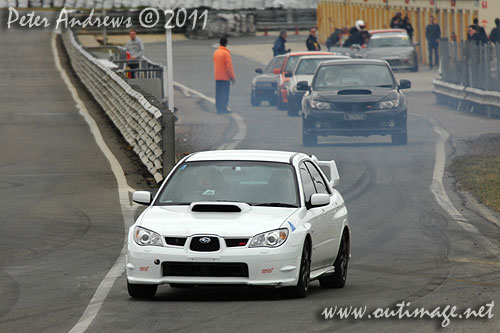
(378, 122)
(401, 63)
(265, 93)
(266, 266)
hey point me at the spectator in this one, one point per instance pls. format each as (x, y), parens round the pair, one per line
(495, 32)
(480, 30)
(312, 42)
(453, 37)
(334, 39)
(396, 21)
(406, 24)
(355, 34)
(224, 72)
(279, 45)
(433, 34)
(474, 35)
(135, 48)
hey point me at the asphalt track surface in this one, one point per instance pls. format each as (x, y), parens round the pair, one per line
(62, 226)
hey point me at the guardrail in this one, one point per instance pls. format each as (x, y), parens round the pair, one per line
(470, 77)
(139, 122)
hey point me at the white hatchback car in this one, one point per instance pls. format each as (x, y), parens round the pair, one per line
(241, 217)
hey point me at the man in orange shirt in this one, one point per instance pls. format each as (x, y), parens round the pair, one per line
(224, 73)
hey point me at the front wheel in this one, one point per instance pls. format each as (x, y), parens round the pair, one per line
(141, 290)
(302, 287)
(339, 278)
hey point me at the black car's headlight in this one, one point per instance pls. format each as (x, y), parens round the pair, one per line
(144, 236)
(320, 105)
(389, 104)
(273, 238)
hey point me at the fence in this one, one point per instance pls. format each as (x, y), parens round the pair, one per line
(470, 77)
(139, 122)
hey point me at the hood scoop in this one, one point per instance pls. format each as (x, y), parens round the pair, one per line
(219, 207)
(354, 92)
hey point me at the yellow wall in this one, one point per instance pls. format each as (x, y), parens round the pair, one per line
(377, 15)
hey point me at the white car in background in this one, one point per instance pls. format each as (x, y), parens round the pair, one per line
(241, 217)
(304, 71)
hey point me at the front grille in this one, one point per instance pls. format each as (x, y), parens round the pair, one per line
(204, 269)
(234, 242)
(199, 246)
(353, 107)
(176, 241)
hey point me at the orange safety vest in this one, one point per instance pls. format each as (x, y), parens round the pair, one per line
(223, 65)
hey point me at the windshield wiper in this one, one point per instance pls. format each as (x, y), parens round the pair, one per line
(276, 204)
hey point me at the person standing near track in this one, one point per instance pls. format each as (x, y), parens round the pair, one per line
(134, 47)
(224, 74)
(433, 34)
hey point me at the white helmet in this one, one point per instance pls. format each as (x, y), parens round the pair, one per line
(360, 25)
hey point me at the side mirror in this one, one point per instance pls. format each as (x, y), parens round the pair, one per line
(259, 70)
(303, 86)
(142, 197)
(276, 71)
(288, 74)
(405, 84)
(320, 199)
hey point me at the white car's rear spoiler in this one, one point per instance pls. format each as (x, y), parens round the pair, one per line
(329, 168)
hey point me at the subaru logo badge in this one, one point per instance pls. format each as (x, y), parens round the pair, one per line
(205, 240)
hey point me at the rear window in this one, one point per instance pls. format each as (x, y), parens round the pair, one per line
(274, 63)
(308, 66)
(389, 40)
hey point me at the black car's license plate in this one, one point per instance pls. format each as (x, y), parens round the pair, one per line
(355, 116)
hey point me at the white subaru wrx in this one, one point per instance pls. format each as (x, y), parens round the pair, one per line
(241, 217)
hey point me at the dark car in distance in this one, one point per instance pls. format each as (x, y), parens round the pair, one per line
(264, 86)
(356, 97)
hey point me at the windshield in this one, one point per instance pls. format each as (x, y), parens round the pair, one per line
(276, 62)
(389, 41)
(308, 66)
(336, 77)
(255, 183)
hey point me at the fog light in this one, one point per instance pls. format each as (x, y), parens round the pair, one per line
(392, 124)
(157, 261)
(318, 125)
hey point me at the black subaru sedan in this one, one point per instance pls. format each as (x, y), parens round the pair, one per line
(356, 97)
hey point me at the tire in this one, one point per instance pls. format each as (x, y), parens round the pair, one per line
(302, 287)
(254, 100)
(142, 290)
(415, 68)
(292, 109)
(339, 278)
(400, 139)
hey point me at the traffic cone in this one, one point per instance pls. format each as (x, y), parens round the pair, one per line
(296, 30)
(265, 31)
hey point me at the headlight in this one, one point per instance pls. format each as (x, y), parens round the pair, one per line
(146, 237)
(393, 103)
(321, 105)
(273, 238)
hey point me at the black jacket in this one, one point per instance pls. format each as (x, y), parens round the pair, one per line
(432, 33)
(355, 37)
(495, 35)
(279, 46)
(334, 39)
(312, 43)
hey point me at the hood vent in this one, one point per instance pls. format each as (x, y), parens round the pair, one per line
(354, 92)
(219, 208)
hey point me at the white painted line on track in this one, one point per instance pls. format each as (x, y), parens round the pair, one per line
(437, 188)
(128, 210)
(242, 128)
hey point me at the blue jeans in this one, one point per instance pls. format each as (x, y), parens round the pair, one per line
(221, 95)
(433, 46)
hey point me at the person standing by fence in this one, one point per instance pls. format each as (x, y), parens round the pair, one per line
(224, 73)
(279, 44)
(433, 34)
(312, 42)
(495, 32)
(134, 47)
